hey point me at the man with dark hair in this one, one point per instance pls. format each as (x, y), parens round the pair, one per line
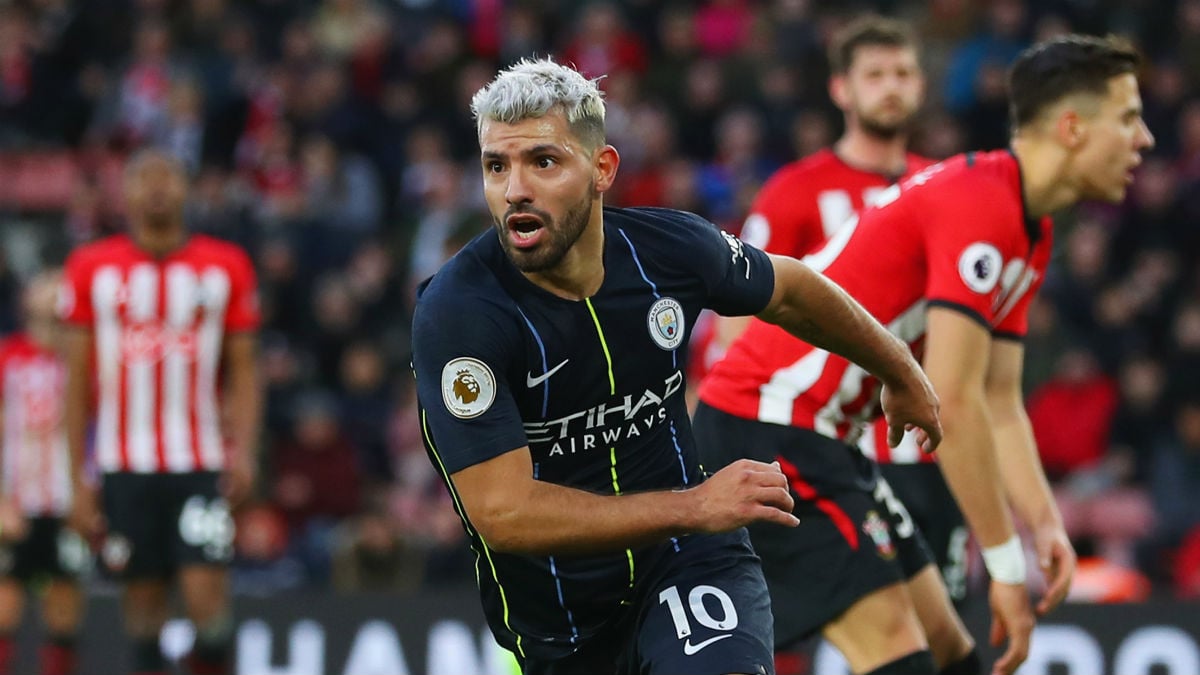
(949, 260)
(878, 84)
(164, 330)
(549, 364)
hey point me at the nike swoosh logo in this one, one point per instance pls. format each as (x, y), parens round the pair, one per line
(689, 648)
(531, 381)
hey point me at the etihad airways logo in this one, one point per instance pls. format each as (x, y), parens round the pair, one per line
(607, 424)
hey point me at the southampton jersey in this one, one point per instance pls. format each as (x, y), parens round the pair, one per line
(158, 326)
(36, 471)
(808, 201)
(595, 388)
(954, 235)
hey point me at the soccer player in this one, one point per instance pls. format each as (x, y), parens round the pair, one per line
(549, 361)
(37, 552)
(878, 84)
(164, 319)
(949, 261)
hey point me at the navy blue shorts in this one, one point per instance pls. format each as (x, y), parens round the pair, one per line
(706, 613)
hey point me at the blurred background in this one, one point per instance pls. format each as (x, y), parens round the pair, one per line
(332, 138)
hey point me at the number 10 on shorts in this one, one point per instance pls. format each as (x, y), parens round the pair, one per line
(683, 627)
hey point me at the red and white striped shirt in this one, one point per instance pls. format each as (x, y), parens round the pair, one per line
(35, 464)
(799, 209)
(158, 327)
(954, 235)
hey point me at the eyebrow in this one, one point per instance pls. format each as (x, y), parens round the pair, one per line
(535, 151)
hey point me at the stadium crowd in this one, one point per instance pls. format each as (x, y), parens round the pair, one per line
(332, 139)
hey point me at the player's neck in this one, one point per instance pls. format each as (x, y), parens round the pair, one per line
(1043, 177)
(581, 272)
(158, 240)
(867, 152)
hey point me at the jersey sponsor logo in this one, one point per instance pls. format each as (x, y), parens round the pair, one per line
(151, 342)
(665, 321)
(604, 425)
(979, 266)
(878, 531)
(531, 381)
(468, 387)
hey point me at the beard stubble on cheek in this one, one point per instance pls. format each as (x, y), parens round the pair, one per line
(561, 234)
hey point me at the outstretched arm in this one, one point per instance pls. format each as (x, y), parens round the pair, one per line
(957, 351)
(1024, 479)
(515, 513)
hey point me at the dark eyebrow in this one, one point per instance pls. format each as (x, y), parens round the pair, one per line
(492, 155)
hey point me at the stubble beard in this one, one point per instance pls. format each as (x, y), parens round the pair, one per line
(559, 239)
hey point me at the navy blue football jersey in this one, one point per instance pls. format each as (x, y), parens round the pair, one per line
(594, 387)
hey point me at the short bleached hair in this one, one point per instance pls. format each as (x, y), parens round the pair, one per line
(533, 88)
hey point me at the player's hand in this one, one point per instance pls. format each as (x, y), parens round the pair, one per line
(1012, 619)
(1057, 559)
(237, 484)
(14, 526)
(742, 493)
(909, 405)
(85, 517)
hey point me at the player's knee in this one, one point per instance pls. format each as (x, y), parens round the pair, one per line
(970, 664)
(916, 663)
(948, 640)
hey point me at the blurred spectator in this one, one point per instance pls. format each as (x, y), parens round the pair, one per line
(316, 481)
(602, 45)
(261, 565)
(372, 556)
(973, 67)
(1071, 415)
(364, 405)
(1174, 484)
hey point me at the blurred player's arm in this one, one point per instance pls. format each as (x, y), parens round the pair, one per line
(515, 513)
(728, 328)
(1024, 479)
(957, 355)
(85, 513)
(244, 404)
(816, 310)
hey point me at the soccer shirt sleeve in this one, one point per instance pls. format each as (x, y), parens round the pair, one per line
(779, 221)
(966, 243)
(243, 313)
(462, 352)
(740, 278)
(74, 293)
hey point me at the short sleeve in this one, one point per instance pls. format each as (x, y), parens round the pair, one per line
(243, 313)
(74, 302)
(739, 278)
(966, 248)
(461, 354)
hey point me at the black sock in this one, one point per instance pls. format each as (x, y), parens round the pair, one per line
(916, 663)
(968, 665)
(147, 656)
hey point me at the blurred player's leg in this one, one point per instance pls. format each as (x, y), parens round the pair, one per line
(205, 591)
(62, 610)
(12, 606)
(879, 630)
(948, 637)
(144, 607)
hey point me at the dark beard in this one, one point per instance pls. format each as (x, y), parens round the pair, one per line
(561, 236)
(884, 132)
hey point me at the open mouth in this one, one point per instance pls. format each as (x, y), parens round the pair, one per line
(524, 227)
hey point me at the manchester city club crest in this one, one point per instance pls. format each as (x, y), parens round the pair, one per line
(665, 322)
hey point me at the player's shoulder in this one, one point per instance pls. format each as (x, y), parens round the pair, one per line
(654, 222)
(470, 278)
(798, 174)
(113, 248)
(985, 171)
